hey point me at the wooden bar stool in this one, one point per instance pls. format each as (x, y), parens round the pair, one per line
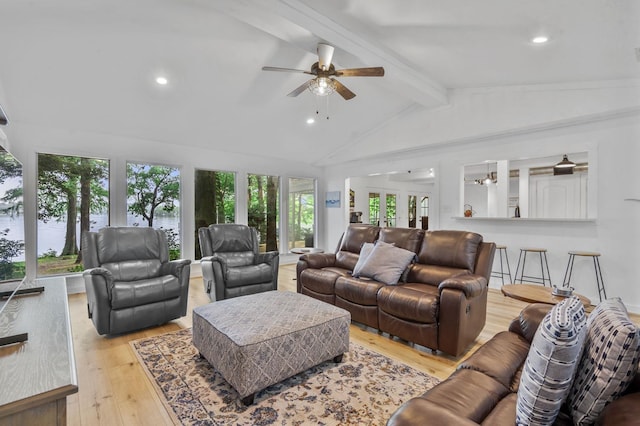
(544, 266)
(501, 273)
(596, 264)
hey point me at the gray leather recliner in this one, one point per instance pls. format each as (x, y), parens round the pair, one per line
(130, 282)
(231, 264)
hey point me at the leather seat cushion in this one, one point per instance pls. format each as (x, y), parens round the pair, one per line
(412, 302)
(321, 281)
(432, 274)
(126, 294)
(358, 290)
(251, 274)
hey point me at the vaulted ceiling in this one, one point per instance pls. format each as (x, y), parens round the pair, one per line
(90, 65)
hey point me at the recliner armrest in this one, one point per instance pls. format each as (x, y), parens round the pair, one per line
(106, 275)
(174, 267)
(319, 260)
(267, 257)
(471, 285)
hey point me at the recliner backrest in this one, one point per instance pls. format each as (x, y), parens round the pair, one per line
(237, 244)
(129, 253)
(352, 240)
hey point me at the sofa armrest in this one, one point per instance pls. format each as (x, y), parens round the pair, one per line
(318, 260)
(100, 279)
(529, 319)
(471, 285)
(214, 269)
(419, 411)
(98, 284)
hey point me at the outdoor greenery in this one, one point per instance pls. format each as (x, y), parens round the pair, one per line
(12, 205)
(391, 210)
(301, 211)
(152, 191)
(71, 188)
(374, 208)
(215, 200)
(264, 208)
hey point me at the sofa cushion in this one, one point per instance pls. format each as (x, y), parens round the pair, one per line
(352, 240)
(133, 270)
(454, 249)
(321, 281)
(412, 302)
(609, 361)
(406, 238)
(359, 291)
(386, 263)
(432, 274)
(551, 363)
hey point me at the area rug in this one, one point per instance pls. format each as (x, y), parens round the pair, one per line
(364, 389)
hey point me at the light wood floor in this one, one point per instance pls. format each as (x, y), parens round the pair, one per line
(113, 389)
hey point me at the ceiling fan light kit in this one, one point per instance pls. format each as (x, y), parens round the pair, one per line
(564, 167)
(323, 84)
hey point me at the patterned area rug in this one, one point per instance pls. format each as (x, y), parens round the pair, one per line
(364, 389)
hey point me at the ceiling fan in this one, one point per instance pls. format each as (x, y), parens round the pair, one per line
(324, 83)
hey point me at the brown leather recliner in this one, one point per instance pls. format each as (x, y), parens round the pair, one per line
(441, 304)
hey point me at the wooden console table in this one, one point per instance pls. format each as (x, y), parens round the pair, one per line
(36, 376)
(537, 294)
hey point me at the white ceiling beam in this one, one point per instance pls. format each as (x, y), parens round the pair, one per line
(299, 24)
(409, 81)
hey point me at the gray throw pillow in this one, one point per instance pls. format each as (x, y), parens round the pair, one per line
(386, 263)
(609, 362)
(551, 363)
(365, 251)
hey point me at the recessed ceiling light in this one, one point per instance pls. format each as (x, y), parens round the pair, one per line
(162, 81)
(540, 39)
(311, 120)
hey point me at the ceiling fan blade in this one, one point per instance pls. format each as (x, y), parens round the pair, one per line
(285, 70)
(300, 89)
(361, 72)
(342, 90)
(325, 55)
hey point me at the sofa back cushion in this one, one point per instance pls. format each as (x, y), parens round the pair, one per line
(432, 274)
(406, 238)
(354, 237)
(452, 249)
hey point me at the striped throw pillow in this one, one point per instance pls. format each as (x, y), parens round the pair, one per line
(550, 365)
(609, 362)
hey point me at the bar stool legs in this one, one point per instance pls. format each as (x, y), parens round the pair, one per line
(596, 265)
(544, 267)
(501, 274)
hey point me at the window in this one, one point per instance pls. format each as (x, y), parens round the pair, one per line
(391, 210)
(302, 202)
(215, 200)
(424, 212)
(153, 199)
(374, 208)
(264, 208)
(73, 197)
(12, 265)
(413, 210)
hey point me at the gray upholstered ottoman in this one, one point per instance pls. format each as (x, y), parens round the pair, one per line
(258, 340)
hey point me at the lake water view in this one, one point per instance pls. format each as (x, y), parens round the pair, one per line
(51, 234)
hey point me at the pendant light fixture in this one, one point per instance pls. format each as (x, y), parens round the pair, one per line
(564, 167)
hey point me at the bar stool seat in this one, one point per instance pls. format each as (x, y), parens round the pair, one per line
(501, 273)
(596, 264)
(544, 277)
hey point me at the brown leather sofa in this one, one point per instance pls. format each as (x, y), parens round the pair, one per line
(483, 390)
(440, 303)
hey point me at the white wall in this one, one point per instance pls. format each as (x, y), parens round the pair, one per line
(25, 141)
(613, 142)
